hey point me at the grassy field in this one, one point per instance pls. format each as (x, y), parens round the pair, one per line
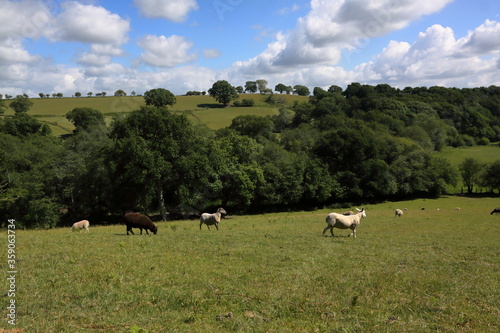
(429, 271)
(200, 109)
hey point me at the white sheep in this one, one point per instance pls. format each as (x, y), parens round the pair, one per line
(398, 213)
(211, 219)
(84, 224)
(340, 221)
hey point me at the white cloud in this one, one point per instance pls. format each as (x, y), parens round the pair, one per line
(161, 51)
(90, 24)
(173, 10)
(483, 40)
(432, 60)
(27, 18)
(334, 25)
(211, 53)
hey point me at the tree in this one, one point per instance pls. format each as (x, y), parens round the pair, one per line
(469, 170)
(78, 94)
(251, 87)
(83, 118)
(159, 97)
(22, 124)
(89, 94)
(280, 87)
(120, 93)
(491, 176)
(223, 92)
(301, 90)
(262, 85)
(21, 104)
(2, 106)
(158, 158)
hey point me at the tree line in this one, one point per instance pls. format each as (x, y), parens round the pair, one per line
(358, 144)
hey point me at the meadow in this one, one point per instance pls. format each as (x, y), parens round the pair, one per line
(200, 109)
(432, 270)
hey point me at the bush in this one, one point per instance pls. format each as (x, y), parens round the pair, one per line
(246, 102)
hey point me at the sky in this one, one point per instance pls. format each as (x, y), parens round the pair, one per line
(56, 46)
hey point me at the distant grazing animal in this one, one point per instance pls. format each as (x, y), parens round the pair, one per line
(457, 208)
(340, 221)
(84, 224)
(496, 210)
(211, 219)
(136, 220)
(348, 213)
(398, 213)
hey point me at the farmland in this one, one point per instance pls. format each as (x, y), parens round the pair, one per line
(432, 270)
(199, 109)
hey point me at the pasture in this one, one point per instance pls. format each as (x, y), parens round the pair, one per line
(429, 271)
(200, 109)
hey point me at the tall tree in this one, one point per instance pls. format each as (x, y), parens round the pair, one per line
(21, 104)
(159, 97)
(469, 170)
(83, 118)
(223, 92)
(251, 87)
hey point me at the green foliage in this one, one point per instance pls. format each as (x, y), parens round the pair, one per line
(223, 92)
(84, 118)
(159, 97)
(23, 124)
(21, 104)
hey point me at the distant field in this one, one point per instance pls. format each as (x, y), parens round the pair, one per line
(485, 154)
(432, 270)
(200, 109)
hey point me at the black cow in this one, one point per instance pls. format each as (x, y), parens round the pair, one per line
(136, 220)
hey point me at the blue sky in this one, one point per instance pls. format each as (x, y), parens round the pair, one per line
(55, 46)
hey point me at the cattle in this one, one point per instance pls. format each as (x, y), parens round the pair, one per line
(84, 224)
(340, 221)
(212, 219)
(495, 211)
(136, 220)
(398, 213)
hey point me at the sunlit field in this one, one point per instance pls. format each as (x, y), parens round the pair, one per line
(432, 270)
(199, 109)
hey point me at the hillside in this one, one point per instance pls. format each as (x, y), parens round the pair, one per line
(200, 109)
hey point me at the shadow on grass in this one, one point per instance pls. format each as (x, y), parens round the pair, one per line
(210, 106)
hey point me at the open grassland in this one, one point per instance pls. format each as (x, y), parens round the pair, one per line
(200, 109)
(428, 271)
(485, 154)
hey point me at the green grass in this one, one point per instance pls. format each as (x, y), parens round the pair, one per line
(200, 109)
(429, 271)
(485, 154)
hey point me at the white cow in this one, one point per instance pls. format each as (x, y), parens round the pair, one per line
(84, 224)
(211, 219)
(334, 220)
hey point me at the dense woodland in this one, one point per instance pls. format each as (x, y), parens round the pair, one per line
(358, 144)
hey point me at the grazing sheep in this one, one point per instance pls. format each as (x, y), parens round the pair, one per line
(496, 210)
(340, 221)
(84, 224)
(398, 213)
(211, 219)
(348, 213)
(136, 220)
(457, 208)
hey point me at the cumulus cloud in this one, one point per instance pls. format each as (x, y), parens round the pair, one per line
(436, 58)
(161, 51)
(90, 24)
(172, 10)
(332, 26)
(27, 18)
